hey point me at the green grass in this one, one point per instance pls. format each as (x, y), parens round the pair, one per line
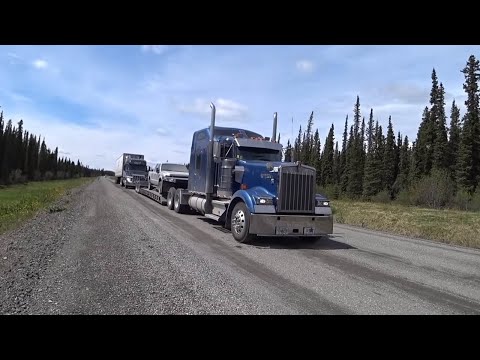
(448, 226)
(20, 202)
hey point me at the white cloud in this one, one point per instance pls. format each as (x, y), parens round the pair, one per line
(40, 64)
(14, 58)
(157, 49)
(15, 96)
(305, 66)
(224, 108)
(161, 131)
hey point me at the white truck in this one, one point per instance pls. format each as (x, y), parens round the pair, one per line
(167, 175)
(130, 170)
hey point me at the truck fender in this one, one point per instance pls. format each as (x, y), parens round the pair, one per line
(247, 196)
(240, 195)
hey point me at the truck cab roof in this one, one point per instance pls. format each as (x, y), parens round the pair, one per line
(229, 131)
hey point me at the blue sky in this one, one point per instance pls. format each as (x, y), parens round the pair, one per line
(96, 102)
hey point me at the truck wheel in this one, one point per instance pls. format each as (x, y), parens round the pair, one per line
(149, 184)
(170, 196)
(240, 223)
(179, 208)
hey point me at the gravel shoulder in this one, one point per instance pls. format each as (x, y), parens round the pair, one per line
(113, 251)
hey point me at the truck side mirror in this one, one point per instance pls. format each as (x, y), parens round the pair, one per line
(216, 150)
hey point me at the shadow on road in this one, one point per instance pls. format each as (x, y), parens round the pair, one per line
(323, 243)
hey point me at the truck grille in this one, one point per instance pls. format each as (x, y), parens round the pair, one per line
(137, 178)
(296, 190)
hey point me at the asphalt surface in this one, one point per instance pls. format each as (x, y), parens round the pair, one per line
(113, 251)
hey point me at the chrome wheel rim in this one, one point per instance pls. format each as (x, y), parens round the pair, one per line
(238, 222)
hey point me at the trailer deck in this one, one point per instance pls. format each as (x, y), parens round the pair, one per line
(152, 194)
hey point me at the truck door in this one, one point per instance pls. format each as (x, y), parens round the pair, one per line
(199, 161)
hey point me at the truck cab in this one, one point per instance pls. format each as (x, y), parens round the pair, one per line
(131, 169)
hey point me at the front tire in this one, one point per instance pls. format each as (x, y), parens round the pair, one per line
(149, 184)
(240, 223)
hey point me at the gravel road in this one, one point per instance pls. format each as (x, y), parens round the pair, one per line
(113, 251)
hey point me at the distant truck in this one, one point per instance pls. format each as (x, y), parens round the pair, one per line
(167, 175)
(237, 177)
(131, 170)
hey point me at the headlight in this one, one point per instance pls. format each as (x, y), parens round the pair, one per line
(320, 202)
(264, 201)
(129, 178)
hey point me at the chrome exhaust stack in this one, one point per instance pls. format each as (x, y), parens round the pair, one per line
(274, 136)
(210, 170)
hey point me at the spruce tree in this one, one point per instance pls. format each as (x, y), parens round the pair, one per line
(372, 182)
(370, 132)
(401, 182)
(288, 152)
(317, 161)
(307, 145)
(389, 159)
(398, 149)
(355, 154)
(380, 154)
(454, 139)
(349, 163)
(440, 151)
(468, 173)
(297, 151)
(343, 159)
(424, 145)
(328, 159)
(336, 165)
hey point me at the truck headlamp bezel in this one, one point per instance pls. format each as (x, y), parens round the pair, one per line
(264, 200)
(321, 203)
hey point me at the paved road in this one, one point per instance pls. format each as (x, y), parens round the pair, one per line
(117, 252)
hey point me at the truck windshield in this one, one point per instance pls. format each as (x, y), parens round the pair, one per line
(174, 167)
(250, 153)
(132, 167)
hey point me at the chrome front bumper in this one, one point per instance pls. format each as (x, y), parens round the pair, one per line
(291, 225)
(142, 183)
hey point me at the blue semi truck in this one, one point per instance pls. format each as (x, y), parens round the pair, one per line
(237, 177)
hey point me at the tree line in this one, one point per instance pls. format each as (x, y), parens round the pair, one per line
(441, 167)
(25, 157)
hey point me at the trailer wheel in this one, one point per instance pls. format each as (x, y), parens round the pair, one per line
(240, 223)
(177, 206)
(170, 197)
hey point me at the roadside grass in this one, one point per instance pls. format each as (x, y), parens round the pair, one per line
(447, 226)
(20, 202)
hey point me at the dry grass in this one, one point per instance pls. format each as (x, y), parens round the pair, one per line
(448, 226)
(20, 202)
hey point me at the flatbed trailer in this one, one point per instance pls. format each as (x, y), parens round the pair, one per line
(152, 194)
